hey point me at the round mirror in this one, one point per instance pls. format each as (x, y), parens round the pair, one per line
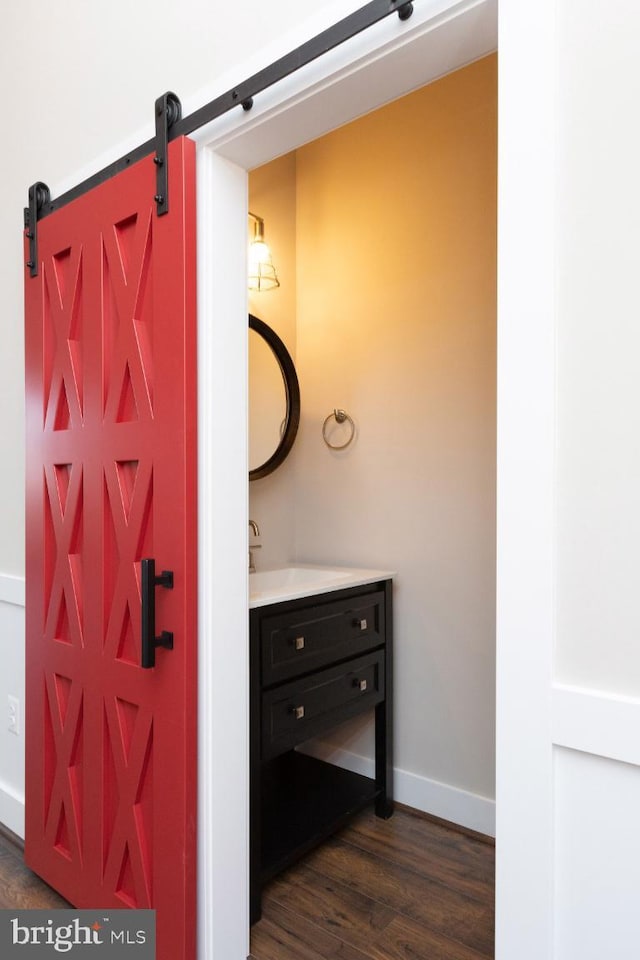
(274, 400)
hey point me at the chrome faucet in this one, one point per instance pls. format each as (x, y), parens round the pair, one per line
(256, 546)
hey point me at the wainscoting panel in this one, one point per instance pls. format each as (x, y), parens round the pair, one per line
(596, 841)
(597, 857)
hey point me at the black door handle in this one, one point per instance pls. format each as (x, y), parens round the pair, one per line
(149, 640)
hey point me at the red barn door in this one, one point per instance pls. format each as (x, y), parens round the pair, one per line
(111, 479)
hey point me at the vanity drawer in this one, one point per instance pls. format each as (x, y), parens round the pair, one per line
(294, 712)
(299, 641)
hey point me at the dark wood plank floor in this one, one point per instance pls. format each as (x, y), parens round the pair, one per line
(21, 888)
(409, 888)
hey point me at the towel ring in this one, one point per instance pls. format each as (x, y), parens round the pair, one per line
(339, 416)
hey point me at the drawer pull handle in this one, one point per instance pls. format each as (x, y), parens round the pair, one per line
(299, 643)
(298, 712)
(360, 623)
(361, 684)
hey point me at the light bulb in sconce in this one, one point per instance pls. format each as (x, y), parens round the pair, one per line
(262, 273)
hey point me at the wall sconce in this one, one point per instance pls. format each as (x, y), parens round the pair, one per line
(262, 273)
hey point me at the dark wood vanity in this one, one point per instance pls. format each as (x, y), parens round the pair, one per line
(315, 662)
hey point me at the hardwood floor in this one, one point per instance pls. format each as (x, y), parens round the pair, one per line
(409, 888)
(19, 887)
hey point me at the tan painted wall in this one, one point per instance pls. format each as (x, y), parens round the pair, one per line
(396, 276)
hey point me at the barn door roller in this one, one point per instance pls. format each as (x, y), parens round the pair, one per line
(170, 124)
(39, 194)
(168, 112)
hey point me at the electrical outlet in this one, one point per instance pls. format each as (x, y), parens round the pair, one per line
(13, 715)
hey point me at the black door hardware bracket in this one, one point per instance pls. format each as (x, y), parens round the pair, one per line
(168, 112)
(39, 194)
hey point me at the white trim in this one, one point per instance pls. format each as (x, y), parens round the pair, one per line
(526, 477)
(596, 721)
(461, 807)
(223, 642)
(445, 801)
(11, 808)
(12, 589)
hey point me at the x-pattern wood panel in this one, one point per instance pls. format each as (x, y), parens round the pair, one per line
(63, 280)
(128, 366)
(64, 813)
(128, 844)
(64, 614)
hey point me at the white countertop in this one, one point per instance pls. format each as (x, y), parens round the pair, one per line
(306, 580)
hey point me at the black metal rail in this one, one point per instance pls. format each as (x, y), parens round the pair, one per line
(244, 93)
(240, 95)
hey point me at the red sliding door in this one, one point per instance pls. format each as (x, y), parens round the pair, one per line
(111, 747)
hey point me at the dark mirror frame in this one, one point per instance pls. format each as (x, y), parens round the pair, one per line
(292, 390)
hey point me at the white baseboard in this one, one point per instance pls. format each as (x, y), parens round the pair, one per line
(11, 809)
(438, 799)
